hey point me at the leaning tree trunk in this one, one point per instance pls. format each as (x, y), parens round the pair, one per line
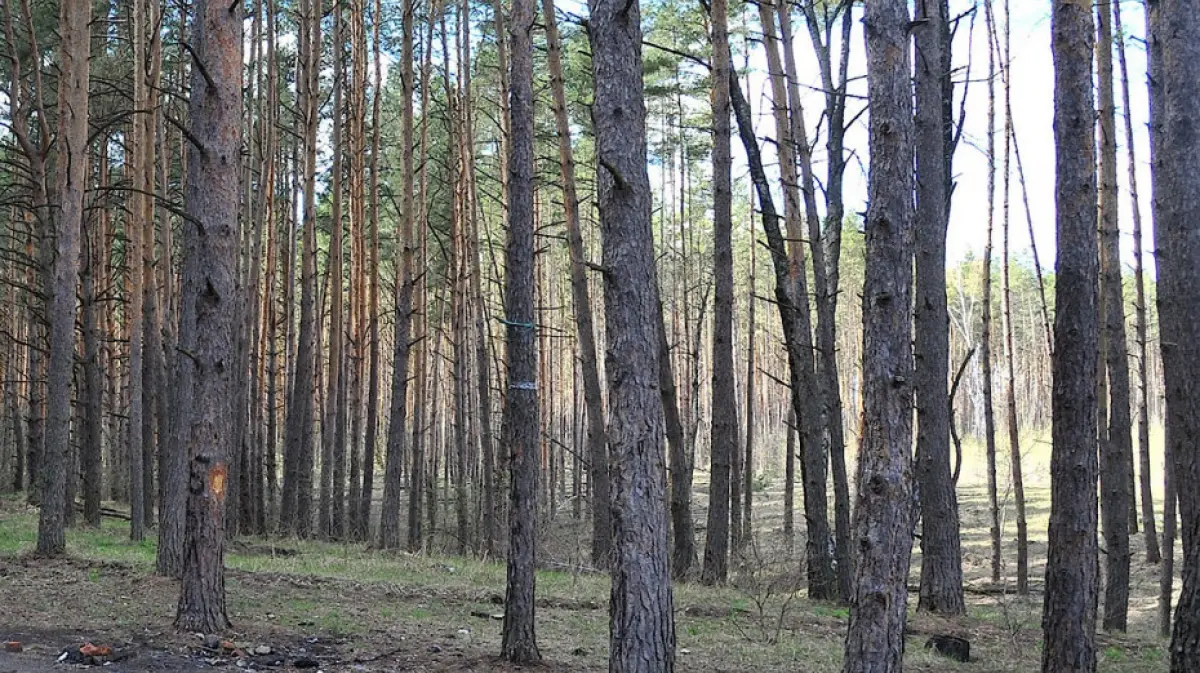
(521, 414)
(641, 613)
(208, 307)
(597, 440)
(1177, 200)
(882, 516)
(1116, 452)
(1069, 615)
(75, 16)
(1149, 529)
(806, 391)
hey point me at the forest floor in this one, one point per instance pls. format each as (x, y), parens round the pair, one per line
(343, 608)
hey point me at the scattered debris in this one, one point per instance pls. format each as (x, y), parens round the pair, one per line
(262, 649)
(13, 646)
(90, 654)
(952, 647)
(305, 662)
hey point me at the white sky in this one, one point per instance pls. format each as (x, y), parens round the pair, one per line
(1033, 106)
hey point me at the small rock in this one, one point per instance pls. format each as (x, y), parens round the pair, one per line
(463, 634)
(435, 648)
(212, 642)
(13, 646)
(262, 649)
(685, 651)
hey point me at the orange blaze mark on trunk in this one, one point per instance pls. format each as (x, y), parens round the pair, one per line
(216, 481)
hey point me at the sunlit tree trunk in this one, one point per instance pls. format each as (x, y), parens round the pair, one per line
(1069, 613)
(208, 307)
(882, 516)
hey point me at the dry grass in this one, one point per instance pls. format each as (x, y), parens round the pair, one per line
(411, 608)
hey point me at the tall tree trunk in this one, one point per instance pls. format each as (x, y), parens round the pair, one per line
(1177, 200)
(985, 341)
(419, 476)
(91, 448)
(333, 425)
(724, 422)
(941, 559)
(806, 392)
(1069, 614)
(1149, 530)
(373, 374)
(751, 376)
(1014, 443)
(597, 440)
(208, 307)
(296, 510)
(72, 137)
(830, 241)
(135, 228)
(641, 613)
(389, 522)
(679, 460)
(1114, 453)
(521, 413)
(882, 525)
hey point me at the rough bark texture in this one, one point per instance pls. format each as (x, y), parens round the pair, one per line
(521, 413)
(597, 440)
(941, 562)
(208, 306)
(1177, 237)
(683, 530)
(389, 516)
(724, 420)
(641, 627)
(1115, 453)
(296, 510)
(882, 525)
(73, 67)
(1069, 614)
(806, 393)
(1149, 528)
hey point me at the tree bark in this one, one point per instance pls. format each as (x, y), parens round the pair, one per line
(208, 306)
(1116, 452)
(941, 562)
(724, 422)
(1149, 529)
(806, 392)
(1177, 200)
(882, 517)
(71, 139)
(389, 521)
(985, 342)
(1069, 613)
(521, 413)
(597, 440)
(641, 627)
(296, 510)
